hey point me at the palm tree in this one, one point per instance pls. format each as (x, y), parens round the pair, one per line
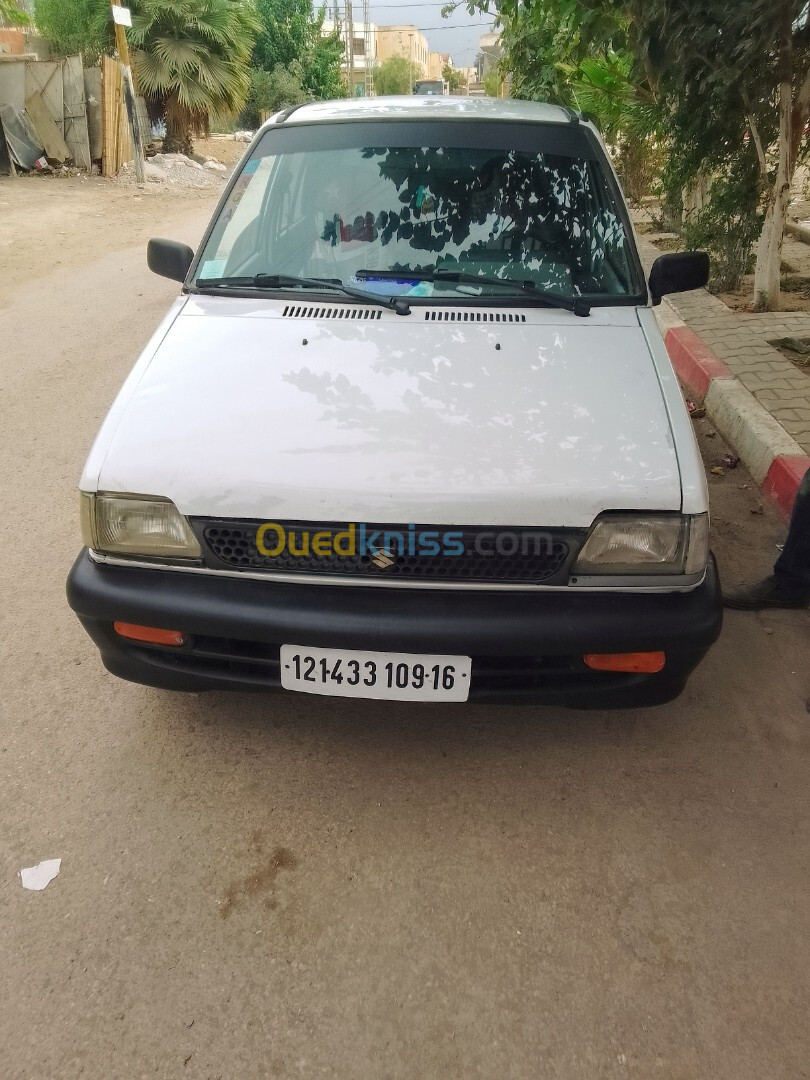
(191, 59)
(12, 14)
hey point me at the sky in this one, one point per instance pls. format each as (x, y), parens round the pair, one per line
(457, 35)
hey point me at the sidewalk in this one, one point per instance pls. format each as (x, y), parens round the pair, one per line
(754, 396)
(742, 341)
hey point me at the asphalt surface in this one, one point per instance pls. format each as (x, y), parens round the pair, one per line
(262, 886)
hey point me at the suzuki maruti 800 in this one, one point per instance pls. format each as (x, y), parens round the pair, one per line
(410, 430)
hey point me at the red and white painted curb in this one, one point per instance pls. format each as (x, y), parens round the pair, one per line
(694, 362)
(774, 459)
(783, 479)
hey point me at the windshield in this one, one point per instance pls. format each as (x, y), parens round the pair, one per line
(332, 203)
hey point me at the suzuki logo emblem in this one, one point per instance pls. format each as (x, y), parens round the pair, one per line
(382, 559)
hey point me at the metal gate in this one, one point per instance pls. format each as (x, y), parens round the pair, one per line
(44, 77)
(51, 93)
(75, 111)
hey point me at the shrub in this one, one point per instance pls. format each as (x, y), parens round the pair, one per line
(273, 90)
(727, 228)
(639, 163)
(75, 26)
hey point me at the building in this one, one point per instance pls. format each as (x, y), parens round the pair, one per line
(364, 52)
(437, 62)
(489, 55)
(491, 52)
(470, 77)
(372, 44)
(406, 41)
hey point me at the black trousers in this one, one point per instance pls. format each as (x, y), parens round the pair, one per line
(792, 569)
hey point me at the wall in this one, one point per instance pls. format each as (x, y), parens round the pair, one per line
(435, 65)
(14, 41)
(490, 48)
(363, 32)
(404, 40)
(12, 84)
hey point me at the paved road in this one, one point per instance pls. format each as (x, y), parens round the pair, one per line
(272, 886)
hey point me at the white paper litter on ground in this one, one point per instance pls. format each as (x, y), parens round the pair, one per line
(39, 876)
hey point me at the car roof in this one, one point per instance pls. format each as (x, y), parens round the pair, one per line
(422, 107)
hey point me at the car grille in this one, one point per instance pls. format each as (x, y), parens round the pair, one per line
(509, 556)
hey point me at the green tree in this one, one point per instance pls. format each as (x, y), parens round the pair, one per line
(608, 88)
(396, 75)
(192, 58)
(324, 78)
(726, 223)
(614, 91)
(544, 43)
(454, 79)
(584, 54)
(75, 26)
(274, 90)
(286, 33)
(722, 84)
(292, 34)
(493, 83)
(737, 82)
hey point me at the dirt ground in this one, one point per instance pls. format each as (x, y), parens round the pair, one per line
(795, 281)
(795, 264)
(48, 222)
(52, 221)
(222, 147)
(261, 886)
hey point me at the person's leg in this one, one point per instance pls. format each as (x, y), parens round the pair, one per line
(789, 585)
(792, 569)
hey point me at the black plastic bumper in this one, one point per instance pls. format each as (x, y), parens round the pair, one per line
(525, 646)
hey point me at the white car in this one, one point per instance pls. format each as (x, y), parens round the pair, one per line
(409, 431)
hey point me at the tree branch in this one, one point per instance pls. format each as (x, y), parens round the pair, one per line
(801, 114)
(755, 136)
(803, 96)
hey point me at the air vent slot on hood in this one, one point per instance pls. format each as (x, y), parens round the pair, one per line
(473, 316)
(311, 311)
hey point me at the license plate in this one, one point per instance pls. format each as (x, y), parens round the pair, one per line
(382, 675)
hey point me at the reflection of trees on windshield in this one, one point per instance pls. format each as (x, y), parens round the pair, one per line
(495, 210)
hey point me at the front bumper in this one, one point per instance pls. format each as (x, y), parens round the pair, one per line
(525, 646)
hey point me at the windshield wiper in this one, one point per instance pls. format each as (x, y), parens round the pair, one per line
(577, 304)
(284, 281)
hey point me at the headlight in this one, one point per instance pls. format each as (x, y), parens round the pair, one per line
(137, 525)
(653, 544)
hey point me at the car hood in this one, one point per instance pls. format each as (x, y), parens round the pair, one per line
(260, 409)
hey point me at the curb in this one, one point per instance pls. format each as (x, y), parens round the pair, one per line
(774, 459)
(694, 361)
(783, 479)
(801, 232)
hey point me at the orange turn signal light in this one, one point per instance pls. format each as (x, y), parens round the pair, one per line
(626, 661)
(150, 634)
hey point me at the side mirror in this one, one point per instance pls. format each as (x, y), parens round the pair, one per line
(678, 273)
(169, 259)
